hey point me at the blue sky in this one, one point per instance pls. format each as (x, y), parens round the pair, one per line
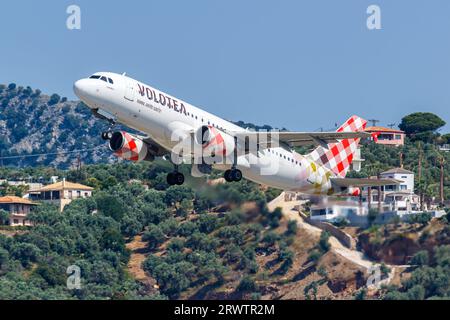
(296, 64)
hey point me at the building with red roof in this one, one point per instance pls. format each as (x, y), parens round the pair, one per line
(387, 136)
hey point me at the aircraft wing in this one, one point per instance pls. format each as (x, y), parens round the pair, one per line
(354, 182)
(154, 147)
(295, 139)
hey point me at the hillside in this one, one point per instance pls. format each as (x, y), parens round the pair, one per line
(188, 242)
(34, 123)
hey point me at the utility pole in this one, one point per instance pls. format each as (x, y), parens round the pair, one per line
(441, 185)
(379, 194)
(419, 169)
(401, 159)
(391, 125)
(419, 175)
(79, 166)
(374, 122)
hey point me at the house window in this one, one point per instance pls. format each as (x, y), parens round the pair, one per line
(398, 137)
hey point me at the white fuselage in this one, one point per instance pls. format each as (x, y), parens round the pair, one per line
(158, 114)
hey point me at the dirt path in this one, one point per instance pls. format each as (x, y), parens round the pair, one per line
(138, 255)
(354, 256)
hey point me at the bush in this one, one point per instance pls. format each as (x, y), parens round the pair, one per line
(291, 228)
(324, 245)
(420, 218)
(420, 258)
(314, 255)
(247, 284)
(154, 236)
(176, 245)
(54, 99)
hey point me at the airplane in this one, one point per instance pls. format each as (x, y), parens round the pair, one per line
(223, 145)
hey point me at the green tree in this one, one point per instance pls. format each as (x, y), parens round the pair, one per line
(110, 206)
(291, 228)
(4, 216)
(324, 245)
(154, 236)
(420, 258)
(54, 99)
(247, 284)
(421, 125)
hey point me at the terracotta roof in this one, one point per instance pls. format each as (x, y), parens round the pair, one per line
(383, 129)
(398, 170)
(14, 199)
(64, 185)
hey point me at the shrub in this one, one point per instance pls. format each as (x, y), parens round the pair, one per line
(54, 99)
(420, 258)
(154, 236)
(324, 245)
(291, 228)
(247, 284)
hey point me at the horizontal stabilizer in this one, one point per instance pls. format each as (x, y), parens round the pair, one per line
(295, 139)
(354, 182)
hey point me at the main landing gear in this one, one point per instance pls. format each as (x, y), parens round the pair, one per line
(175, 177)
(233, 174)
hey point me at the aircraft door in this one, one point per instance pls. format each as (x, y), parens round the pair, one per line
(129, 89)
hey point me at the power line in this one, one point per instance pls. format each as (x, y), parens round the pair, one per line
(50, 153)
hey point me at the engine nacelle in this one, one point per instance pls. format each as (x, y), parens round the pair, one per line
(128, 147)
(214, 142)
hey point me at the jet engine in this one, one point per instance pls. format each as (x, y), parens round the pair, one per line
(214, 142)
(126, 146)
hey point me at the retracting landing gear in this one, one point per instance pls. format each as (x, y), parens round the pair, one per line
(233, 174)
(107, 135)
(175, 177)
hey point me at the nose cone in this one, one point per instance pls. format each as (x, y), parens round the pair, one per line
(81, 88)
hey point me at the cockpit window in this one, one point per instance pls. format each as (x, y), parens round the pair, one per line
(103, 78)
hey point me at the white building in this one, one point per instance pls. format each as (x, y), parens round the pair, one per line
(61, 193)
(333, 211)
(397, 200)
(397, 197)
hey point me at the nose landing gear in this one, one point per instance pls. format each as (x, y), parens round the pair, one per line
(107, 135)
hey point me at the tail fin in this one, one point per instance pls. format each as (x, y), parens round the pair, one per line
(338, 157)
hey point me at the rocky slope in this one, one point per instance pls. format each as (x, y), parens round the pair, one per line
(32, 123)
